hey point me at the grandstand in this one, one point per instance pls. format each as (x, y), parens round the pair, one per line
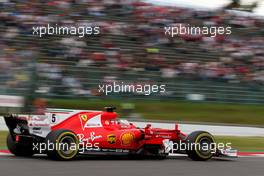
(131, 48)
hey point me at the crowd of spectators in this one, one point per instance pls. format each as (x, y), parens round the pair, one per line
(238, 57)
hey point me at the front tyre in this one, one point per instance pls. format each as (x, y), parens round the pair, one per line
(62, 145)
(202, 146)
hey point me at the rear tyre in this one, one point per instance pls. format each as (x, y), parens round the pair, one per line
(62, 145)
(18, 149)
(202, 144)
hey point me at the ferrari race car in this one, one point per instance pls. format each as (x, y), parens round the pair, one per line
(63, 134)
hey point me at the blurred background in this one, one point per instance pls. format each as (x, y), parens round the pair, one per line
(207, 79)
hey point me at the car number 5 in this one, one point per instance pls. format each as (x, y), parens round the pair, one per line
(53, 118)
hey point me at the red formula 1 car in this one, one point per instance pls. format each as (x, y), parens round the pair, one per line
(63, 134)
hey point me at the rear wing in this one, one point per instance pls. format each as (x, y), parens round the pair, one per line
(16, 124)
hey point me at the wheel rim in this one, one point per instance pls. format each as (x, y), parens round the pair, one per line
(67, 146)
(205, 147)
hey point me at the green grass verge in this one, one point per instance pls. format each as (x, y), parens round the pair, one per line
(3, 135)
(250, 144)
(178, 111)
(240, 143)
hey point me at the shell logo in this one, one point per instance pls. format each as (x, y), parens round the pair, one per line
(127, 138)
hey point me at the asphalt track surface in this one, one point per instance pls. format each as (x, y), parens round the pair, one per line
(96, 166)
